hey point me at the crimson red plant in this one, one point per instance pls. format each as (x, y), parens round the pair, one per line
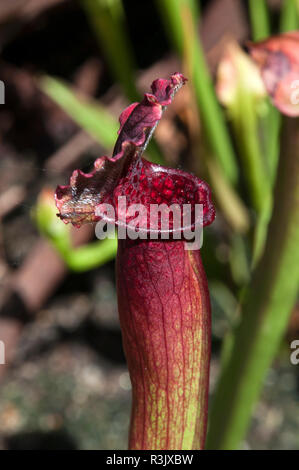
(163, 296)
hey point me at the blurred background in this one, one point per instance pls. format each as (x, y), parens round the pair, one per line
(69, 68)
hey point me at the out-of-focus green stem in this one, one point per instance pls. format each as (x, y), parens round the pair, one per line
(89, 114)
(260, 26)
(259, 18)
(82, 258)
(238, 260)
(271, 124)
(171, 15)
(245, 123)
(91, 256)
(180, 22)
(86, 257)
(266, 307)
(232, 206)
(270, 128)
(108, 21)
(289, 18)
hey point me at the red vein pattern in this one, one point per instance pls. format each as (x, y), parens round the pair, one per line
(164, 311)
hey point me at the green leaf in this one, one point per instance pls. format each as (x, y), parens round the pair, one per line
(180, 20)
(266, 308)
(93, 117)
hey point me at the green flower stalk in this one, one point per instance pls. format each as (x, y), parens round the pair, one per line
(273, 290)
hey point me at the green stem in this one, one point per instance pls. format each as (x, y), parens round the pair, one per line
(245, 124)
(108, 21)
(289, 18)
(180, 21)
(85, 257)
(259, 18)
(228, 199)
(270, 125)
(266, 307)
(91, 256)
(82, 258)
